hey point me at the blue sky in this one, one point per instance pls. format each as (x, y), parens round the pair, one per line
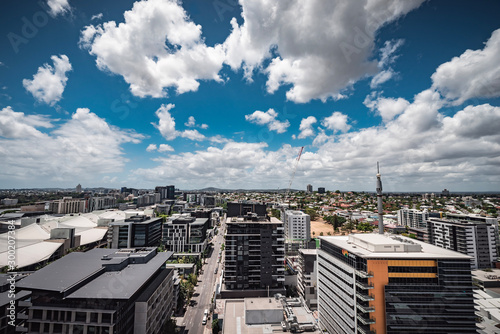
(224, 93)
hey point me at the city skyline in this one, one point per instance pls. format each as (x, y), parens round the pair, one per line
(219, 94)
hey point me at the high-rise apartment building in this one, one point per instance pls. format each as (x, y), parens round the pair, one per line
(374, 283)
(254, 253)
(476, 239)
(309, 188)
(167, 192)
(297, 228)
(413, 218)
(307, 277)
(101, 291)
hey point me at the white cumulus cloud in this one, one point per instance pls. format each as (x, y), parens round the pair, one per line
(165, 148)
(305, 128)
(157, 47)
(268, 118)
(85, 145)
(151, 148)
(321, 48)
(166, 126)
(474, 74)
(18, 125)
(49, 82)
(388, 108)
(57, 7)
(336, 122)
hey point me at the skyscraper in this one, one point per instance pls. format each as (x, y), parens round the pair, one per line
(371, 283)
(254, 253)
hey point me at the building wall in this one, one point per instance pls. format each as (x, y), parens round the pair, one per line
(152, 312)
(254, 255)
(336, 294)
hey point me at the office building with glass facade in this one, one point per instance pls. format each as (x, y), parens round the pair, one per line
(371, 283)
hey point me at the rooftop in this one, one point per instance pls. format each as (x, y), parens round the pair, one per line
(308, 251)
(98, 273)
(372, 245)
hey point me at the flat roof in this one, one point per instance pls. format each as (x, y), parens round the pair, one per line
(121, 284)
(75, 268)
(493, 275)
(308, 251)
(427, 251)
(262, 304)
(62, 274)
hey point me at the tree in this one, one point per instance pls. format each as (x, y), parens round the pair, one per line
(320, 234)
(276, 213)
(312, 213)
(314, 233)
(349, 226)
(169, 326)
(193, 279)
(215, 326)
(367, 227)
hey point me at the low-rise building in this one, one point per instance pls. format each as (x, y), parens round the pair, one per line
(184, 233)
(101, 291)
(68, 205)
(136, 231)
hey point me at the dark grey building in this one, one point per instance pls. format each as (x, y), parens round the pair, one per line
(13, 305)
(242, 209)
(307, 277)
(321, 190)
(167, 192)
(136, 231)
(254, 255)
(101, 291)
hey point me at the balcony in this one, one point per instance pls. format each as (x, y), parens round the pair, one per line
(365, 331)
(25, 303)
(22, 316)
(364, 297)
(364, 274)
(365, 321)
(365, 286)
(365, 309)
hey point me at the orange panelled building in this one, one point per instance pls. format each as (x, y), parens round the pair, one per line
(372, 283)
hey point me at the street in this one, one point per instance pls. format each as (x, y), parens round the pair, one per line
(204, 291)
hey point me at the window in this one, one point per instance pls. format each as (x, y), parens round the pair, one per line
(81, 317)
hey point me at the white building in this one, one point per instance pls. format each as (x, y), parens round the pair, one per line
(413, 218)
(68, 205)
(476, 239)
(297, 225)
(102, 203)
